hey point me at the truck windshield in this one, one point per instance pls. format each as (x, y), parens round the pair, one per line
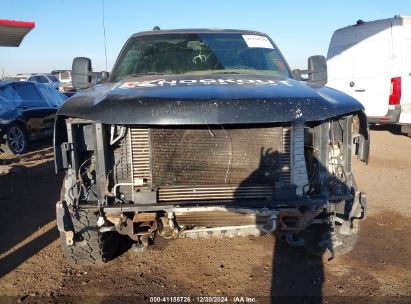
(201, 54)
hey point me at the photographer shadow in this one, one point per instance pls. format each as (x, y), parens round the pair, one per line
(297, 276)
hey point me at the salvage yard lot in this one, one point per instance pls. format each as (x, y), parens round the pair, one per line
(32, 266)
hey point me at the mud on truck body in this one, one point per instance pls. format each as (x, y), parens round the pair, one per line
(207, 133)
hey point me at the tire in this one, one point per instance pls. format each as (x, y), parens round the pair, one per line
(91, 247)
(341, 243)
(345, 235)
(343, 240)
(16, 141)
(406, 129)
(312, 237)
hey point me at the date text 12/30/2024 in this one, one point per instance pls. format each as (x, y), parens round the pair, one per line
(203, 299)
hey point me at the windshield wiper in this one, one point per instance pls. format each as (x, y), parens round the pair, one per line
(225, 72)
(140, 74)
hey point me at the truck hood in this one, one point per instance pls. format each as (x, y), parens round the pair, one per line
(207, 99)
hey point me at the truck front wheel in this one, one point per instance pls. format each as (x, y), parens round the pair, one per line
(90, 246)
(320, 241)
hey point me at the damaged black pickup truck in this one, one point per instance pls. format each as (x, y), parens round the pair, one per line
(207, 133)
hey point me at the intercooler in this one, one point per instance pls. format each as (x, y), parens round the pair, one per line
(219, 219)
(206, 163)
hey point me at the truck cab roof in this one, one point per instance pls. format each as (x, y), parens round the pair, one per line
(198, 31)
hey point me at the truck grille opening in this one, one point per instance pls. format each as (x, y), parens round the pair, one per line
(211, 163)
(219, 218)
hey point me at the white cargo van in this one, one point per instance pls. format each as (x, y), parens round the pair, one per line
(371, 61)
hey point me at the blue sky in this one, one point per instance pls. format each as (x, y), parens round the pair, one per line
(69, 28)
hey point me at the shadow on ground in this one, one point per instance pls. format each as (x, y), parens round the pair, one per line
(297, 276)
(393, 129)
(28, 194)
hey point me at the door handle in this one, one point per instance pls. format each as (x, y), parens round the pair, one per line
(360, 90)
(23, 107)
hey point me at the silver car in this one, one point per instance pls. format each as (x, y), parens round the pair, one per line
(47, 79)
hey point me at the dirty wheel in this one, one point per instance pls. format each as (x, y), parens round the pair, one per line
(16, 141)
(319, 240)
(90, 245)
(312, 238)
(344, 243)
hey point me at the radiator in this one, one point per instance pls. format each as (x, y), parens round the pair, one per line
(210, 163)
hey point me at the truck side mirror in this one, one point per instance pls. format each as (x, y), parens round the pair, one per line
(81, 70)
(317, 70)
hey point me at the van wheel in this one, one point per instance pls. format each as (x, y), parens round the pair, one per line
(16, 141)
(406, 129)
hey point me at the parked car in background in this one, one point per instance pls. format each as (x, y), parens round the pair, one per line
(47, 79)
(19, 77)
(371, 61)
(27, 112)
(65, 78)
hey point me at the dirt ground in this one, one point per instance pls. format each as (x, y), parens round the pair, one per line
(378, 270)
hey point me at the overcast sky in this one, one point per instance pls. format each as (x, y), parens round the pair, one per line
(69, 28)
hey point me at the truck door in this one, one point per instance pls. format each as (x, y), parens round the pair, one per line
(371, 79)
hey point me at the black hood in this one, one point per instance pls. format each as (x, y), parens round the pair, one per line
(207, 99)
